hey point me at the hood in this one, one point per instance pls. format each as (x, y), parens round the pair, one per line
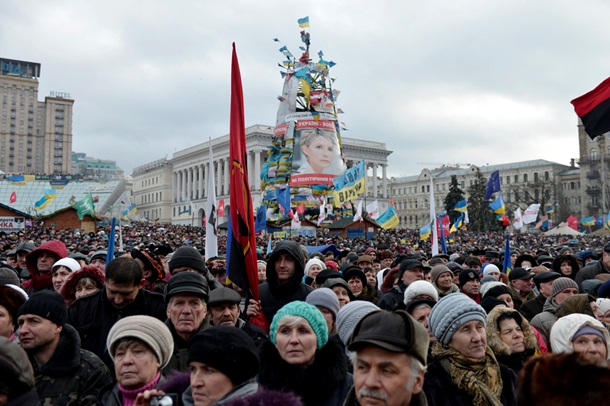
(576, 304)
(294, 250)
(573, 262)
(493, 334)
(564, 329)
(550, 305)
(42, 282)
(68, 291)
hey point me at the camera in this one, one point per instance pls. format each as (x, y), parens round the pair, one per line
(169, 399)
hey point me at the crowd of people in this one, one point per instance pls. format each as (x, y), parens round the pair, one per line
(376, 321)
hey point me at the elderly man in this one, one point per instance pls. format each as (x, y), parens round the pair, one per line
(186, 297)
(520, 286)
(382, 342)
(409, 271)
(544, 284)
(65, 373)
(224, 311)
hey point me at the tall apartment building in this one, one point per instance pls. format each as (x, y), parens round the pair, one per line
(35, 136)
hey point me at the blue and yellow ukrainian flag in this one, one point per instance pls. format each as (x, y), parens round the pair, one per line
(498, 205)
(303, 22)
(507, 266)
(461, 206)
(588, 221)
(459, 222)
(425, 231)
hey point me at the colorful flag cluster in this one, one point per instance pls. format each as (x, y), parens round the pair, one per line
(588, 221)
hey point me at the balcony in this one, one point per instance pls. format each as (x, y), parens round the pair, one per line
(593, 175)
(593, 191)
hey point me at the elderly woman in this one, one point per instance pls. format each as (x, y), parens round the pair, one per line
(341, 289)
(87, 280)
(312, 268)
(581, 333)
(465, 370)
(511, 337)
(140, 346)
(301, 358)
(61, 270)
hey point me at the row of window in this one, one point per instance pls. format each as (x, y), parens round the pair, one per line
(152, 197)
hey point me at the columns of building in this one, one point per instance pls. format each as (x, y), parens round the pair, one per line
(174, 186)
(250, 166)
(206, 173)
(257, 170)
(384, 180)
(182, 185)
(227, 176)
(218, 178)
(374, 180)
(201, 184)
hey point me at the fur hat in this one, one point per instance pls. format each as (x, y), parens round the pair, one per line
(68, 290)
(187, 257)
(560, 284)
(354, 271)
(47, 304)
(227, 349)
(151, 331)
(326, 298)
(12, 300)
(451, 312)
(420, 288)
(493, 331)
(306, 311)
(350, 314)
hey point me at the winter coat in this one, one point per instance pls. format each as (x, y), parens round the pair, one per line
(93, 316)
(543, 322)
(72, 376)
(573, 262)
(326, 382)
(247, 388)
(441, 391)
(37, 281)
(394, 297)
(68, 290)
(567, 326)
(111, 394)
(590, 271)
(517, 299)
(273, 296)
(256, 333)
(416, 400)
(532, 307)
(504, 354)
(453, 289)
(179, 358)
(29, 398)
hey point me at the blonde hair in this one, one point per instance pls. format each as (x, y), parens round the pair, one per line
(309, 135)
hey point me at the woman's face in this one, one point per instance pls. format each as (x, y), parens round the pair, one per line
(85, 289)
(470, 339)
(342, 295)
(508, 299)
(208, 384)
(135, 365)
(566, 268)
(371, 278)
(595, 309)
(319, 153)
(355, 285)
(328, 316)
(314, 270)
(591, 344)
(512, 335)
(422, 315)
(297, 343)
(262, 273)
(59, 276)
(6, 323)
(445, 280)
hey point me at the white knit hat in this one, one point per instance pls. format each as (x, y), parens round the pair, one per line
(604, 305)
(490, 268)
(420, 288)
(314, 261)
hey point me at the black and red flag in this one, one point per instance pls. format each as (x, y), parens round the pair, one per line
(593, 108)
(241, 249)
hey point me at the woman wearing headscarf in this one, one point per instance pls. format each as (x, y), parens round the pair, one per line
(465, 370)
(87, 280)
(581, 333)
(511, 337)
(566, 265)
(301, 358)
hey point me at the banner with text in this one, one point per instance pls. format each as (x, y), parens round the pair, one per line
(350, 185)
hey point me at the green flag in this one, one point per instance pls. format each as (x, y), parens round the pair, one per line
(84, 206)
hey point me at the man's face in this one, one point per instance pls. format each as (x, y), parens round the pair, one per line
(523, 285)
(365, 264)
(21, 258)
(384, 378)
(386, 263)
(12, 261)
(546, 288)
(411, 275)
(471, 288)
(221, 277)
(284, 267)
(513, 258)
(35, 332)
(45, 261)
(186, 312)
(121, 296)
(99, 263)
(224, 314)
(564, 294)
(606, 260)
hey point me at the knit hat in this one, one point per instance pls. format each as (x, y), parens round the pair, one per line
(187, 257)
(326, 298)
(314, 261)
(306, 311)
(8, 276)
(68, 263)
(490, 268)
(350, 315)
(227, 349)
(47, 304)
(326, 274)
(489, 303)
(330, 264)
(438, 270)
(12, 300)
(468, 275)
(187, 282)
(494, 289)
(586, 329)
(561, 284)
(604, 290)
(420, 288)
(151, 331)
(451, 312)
(604, 305)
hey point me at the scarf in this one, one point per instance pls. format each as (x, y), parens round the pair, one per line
(479, 378)
(129, 395)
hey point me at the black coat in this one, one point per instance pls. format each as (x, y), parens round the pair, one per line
(93, 316)
(326, 382)
(440, 389)
(590, 271)
(532, 307)
(393, 298)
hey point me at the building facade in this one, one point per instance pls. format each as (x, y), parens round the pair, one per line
(191, 167)
(35, 137)
(152, 190)
(595, 172)
(93, 167)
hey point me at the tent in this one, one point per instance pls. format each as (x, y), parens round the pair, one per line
(565, 230)
(322, 248)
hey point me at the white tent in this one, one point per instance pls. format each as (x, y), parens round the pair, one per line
(565, 230)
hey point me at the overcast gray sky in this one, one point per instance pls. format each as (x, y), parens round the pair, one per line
(458, 81)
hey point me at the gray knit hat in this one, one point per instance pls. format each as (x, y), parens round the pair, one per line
(324, 297)
(438, 270)
(560, 284)
(147, 329)
(451, 312)
(350, 315)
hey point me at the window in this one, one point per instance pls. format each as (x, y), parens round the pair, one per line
(508, 180)
(516, 178)
(593, 153)
(525, 177)
(547, 176)
(535, 176)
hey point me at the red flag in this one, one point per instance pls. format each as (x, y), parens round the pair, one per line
(242, 260)
(301, 208)
(221, 208)
(13, 197)
(593, 108)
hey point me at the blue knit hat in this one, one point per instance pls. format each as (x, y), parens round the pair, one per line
(451, 312)
(308, 312)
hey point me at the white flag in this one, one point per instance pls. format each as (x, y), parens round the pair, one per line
(433, 220)
(358, 215)
(531, 213)
(211, 237)
(518, 219)
(296, 221)
(373, 210)
(322, 214)
(466, 219)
